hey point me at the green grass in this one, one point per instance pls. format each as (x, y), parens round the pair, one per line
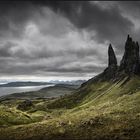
(103, 110)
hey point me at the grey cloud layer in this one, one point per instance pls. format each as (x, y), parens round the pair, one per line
(107, 23)
(62, 38)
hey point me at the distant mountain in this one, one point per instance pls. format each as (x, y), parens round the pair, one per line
(21, 84)
(29, 83)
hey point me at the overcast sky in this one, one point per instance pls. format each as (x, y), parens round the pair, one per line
(63, 40)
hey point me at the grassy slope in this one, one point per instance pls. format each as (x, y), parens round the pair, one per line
(104, 110)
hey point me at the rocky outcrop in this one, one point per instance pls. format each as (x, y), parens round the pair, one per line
(110, 71)
(111, 57)
(130, 61)
(129, 65)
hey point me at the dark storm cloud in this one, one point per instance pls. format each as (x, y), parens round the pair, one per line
(134, 6)
(108, 24)
(131, 10)
(84, 69)
(48, 37)
(103, 23)
(84, 15)
(13, 17)
(5, 49)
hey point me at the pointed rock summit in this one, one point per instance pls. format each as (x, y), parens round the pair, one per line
(111, 56)
(129, 65)
(130, 60)
(110, 71)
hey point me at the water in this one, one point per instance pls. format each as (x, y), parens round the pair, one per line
(10, 90)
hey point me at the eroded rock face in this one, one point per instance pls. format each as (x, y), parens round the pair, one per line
(130, 63)
(130, 60)
(111, 56)
(110, 71)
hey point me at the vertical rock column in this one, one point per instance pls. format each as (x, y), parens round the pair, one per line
(110, 71)
(130, 60)
(111, 57)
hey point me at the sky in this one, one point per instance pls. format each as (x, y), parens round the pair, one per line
(65, 40)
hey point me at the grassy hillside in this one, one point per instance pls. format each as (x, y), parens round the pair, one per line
(103, 110)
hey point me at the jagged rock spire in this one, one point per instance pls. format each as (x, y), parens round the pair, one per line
(111, 56)
(130, 63)
(110, 71)
(129, 38)
(130, 60)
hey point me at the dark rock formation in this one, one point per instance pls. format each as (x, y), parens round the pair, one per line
(111, 56)
(130, 64)
(130, 60)
(110, 71)
(25, 105)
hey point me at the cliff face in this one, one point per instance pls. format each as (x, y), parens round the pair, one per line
(130, 60)
(129, 65)
(111, 56)
(112, 68)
